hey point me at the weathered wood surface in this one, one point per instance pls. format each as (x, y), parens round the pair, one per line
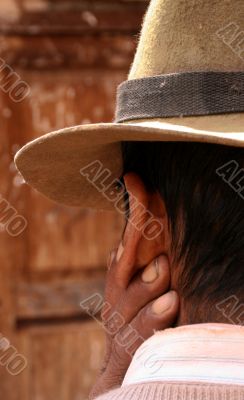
(63, 360)
(62, 238)
(42, 52)
(12, 251)
(72, 55)
(57, 295)
(37, 17)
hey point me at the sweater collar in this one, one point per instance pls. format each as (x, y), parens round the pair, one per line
(212, 353)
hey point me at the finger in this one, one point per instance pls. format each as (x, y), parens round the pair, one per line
(111, 258)
(147, 285)
(150, 283)
(113, 288)
(123, 267)
(158, 315)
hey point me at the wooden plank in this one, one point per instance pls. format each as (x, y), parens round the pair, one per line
(65, 239)
(51, 52)
(12, 249)
(72, 54)
(37, 17)
(62, 238)
(64, 360)
(60, 98)
(57, 295)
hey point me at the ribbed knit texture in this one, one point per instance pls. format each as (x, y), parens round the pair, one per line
(175, 391)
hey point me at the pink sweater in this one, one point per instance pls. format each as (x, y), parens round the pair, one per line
(195, 362)
(174, 391)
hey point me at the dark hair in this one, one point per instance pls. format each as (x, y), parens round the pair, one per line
(201, 205)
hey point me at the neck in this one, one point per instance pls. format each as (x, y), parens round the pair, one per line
(229, 312)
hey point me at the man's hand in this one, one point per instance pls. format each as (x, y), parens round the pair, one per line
(139, 314)
(137, 302)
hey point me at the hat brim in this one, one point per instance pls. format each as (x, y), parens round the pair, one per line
(52, 163)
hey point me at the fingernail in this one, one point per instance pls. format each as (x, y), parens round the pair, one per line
(110, 259)
(119, 252)
(164, 303)
(151, 272)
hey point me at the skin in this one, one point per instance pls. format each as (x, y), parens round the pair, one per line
(139, 287)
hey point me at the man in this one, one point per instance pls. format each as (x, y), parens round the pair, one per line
(203, 219)
(180, 118)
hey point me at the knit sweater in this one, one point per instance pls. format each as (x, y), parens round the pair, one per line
(197, 362)
(175, 391)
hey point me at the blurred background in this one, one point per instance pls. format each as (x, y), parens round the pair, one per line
(60, 64)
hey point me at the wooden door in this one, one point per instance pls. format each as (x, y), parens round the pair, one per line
(67, 58)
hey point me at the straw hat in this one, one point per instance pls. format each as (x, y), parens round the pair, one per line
(186, 84)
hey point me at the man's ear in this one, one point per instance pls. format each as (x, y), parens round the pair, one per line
(148, 215)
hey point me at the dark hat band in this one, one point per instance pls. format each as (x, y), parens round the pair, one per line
(180, 94)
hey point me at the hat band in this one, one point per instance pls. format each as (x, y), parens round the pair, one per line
(180, 94)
